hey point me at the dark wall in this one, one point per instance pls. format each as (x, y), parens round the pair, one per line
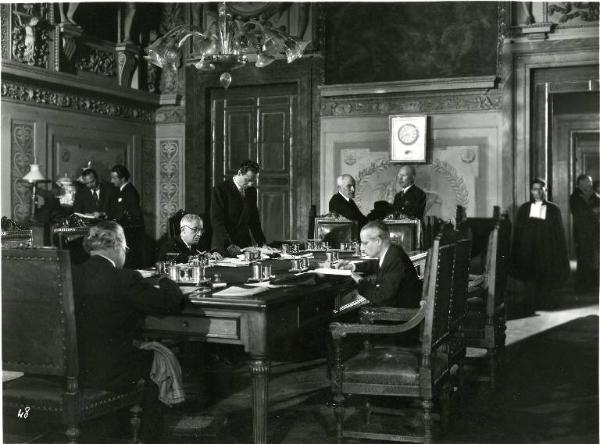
(374, 42)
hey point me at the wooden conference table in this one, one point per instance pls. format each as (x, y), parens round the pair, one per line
(259, 322)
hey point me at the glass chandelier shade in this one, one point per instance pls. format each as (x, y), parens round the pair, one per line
(225, 45)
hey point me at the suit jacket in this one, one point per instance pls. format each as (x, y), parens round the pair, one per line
(86, 203)
(412, 202)
(110, 307)
(395, 283)
(176, 245)
(234, 217)
(125, 207)
(338, 204)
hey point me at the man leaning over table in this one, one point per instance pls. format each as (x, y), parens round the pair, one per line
(391, 280)
(110, 306)
(189, 242)
(234, 213)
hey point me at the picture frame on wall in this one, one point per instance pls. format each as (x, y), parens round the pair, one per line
(408, 136)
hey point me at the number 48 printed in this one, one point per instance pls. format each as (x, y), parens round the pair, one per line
(23, 414)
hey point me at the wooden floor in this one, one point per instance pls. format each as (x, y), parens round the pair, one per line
(550, 394)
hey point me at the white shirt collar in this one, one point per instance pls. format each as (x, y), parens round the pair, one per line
(236, 184)
(407, 188)
(538, 210)
(383, 256)
(341, 194)
(123, 186)
(107, 258)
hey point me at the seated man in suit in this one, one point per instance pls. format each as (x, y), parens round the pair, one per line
(189, 242)
(410, 199)
(391, 280)
(110, 306)
(93, 199)
(342, 202)
(234, 215)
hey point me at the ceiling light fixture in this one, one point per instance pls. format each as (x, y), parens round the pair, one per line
(226, 45)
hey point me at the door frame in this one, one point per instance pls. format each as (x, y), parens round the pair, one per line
(306, 74)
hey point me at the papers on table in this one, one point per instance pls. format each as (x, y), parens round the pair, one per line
(232, 262)
(146, 273)
(9, 375)
(234, 291)
(333, 271)
(295, 256)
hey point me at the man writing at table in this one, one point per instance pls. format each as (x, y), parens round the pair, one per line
(234, 213)
(189, 242)
(391, 280)
(93, 200)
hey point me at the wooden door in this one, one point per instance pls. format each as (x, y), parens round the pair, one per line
(257, 123)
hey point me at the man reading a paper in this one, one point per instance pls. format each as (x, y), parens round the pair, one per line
(389, 281)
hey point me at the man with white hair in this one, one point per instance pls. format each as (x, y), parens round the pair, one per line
(189, 242)
(342, 202)
(395, 282)
(111, 304)
(410, 199)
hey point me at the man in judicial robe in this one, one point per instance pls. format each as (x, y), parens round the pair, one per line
(539, 250)
(342, 202)
(124, 208)
(391, 279)
(189, 242)
(585, 207)
(111, 304)
(410, 199)
(93, 199)
(234, 213)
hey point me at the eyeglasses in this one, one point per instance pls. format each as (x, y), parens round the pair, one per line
(195, 230)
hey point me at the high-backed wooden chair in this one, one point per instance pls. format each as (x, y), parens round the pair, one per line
(420, 372)
(39, 339)
(485, 323)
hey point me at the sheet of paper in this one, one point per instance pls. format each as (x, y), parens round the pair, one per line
(146, 273)
(234, 291)
(332, 271)
(10, 375)
(232, 262)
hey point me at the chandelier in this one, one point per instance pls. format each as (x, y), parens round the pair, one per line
(225, 46)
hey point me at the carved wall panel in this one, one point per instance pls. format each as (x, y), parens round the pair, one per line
(149, 183)
(465, 167)
(169, 177)
(22, 155)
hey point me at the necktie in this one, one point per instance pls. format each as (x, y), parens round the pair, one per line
(95, 193)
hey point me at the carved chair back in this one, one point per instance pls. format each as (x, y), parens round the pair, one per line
(496, 268)
(38, 314)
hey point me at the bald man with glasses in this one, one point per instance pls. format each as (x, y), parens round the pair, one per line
(189, 242)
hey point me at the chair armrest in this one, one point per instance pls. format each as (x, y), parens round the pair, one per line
(394, 314)
(339, 330)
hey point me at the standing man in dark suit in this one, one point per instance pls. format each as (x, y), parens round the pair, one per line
(234, 213)
(410, 199)
(125, 209)
(391, 280)
(111, 304)
(343, 203)
(93, 199)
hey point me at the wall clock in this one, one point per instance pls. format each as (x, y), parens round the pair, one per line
(408, 134)
(407, 138)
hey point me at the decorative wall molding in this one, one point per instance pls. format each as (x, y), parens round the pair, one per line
(39, 95)
(5, 21)
(99, 62)
(341, 106)
(22, 150)
(149, 183)
(168, 179)
(170, 114)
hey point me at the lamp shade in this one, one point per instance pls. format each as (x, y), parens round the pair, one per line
(34, 174)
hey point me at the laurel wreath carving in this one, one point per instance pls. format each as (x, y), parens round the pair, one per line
(444, 169)
(456, 182)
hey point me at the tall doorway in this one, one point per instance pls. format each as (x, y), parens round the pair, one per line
(258, 123)
(566, 128)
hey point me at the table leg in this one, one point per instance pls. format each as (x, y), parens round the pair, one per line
(259, 370)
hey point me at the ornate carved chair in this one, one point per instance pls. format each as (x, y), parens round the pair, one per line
(419, 372)
(405, 232)
(485, 323)
(13, 235)
(39, 339)
(335, 229)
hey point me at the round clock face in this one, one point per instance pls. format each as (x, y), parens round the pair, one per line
(408, 134)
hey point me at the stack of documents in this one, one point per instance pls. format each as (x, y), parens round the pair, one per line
(234, 291)
(232, 262)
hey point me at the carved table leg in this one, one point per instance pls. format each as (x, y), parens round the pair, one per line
(259, 370)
